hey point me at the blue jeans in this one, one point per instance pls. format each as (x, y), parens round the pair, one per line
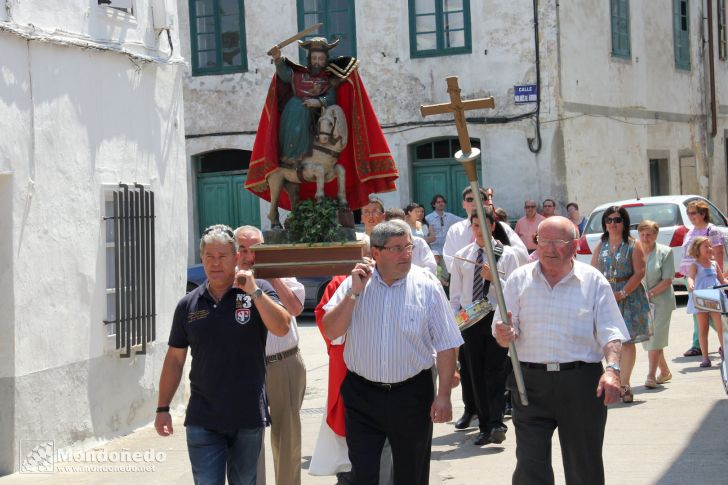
(212, 452)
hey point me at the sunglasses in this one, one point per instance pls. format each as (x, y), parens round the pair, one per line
(529, 206)
(614, 220)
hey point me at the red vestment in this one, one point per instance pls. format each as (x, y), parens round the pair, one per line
(369, 165)
(335, 412)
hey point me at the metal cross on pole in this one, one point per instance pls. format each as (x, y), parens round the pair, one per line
(467, 155)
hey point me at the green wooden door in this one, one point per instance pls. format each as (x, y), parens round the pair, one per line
(435, 171)
(222, 199)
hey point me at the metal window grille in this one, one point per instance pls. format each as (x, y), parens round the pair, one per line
(134, 318)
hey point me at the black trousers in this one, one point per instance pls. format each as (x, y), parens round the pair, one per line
(565, 400)
(466, 386)
(486, 364)
(402, 415)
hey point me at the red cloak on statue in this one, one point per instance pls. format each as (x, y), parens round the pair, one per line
(369, 165)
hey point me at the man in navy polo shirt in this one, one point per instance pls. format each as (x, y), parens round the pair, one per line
(225, 323)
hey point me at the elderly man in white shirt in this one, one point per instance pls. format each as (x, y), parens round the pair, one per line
(395, 317)
(485, 359)
(460, 234)
(564, 319)
(285, 370)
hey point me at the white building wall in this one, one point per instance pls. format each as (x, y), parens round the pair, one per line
(76, 120)
(397, 85)
(617, 111)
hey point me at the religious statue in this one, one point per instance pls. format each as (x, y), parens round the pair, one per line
(318, 126)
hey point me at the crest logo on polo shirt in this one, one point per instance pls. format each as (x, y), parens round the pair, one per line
(242, 316)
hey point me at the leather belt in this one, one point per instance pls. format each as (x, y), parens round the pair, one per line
(558, 366)
(620, 279)
(387, 386)
(269, 359)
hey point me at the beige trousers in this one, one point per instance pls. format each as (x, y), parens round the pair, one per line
(285, 383)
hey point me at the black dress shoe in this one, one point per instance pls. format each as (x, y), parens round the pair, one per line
(498, 435)
(482, 439)
(464, 421)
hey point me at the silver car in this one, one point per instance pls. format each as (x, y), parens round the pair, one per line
(669, 211)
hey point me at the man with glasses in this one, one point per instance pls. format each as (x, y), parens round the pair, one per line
(225, 326)
(460, 234)
(395, 317)
(440, 222)
(285, 379)
(527, 226)
(549, 208)
(564, 320)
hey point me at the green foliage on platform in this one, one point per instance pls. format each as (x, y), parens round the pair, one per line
(315, 222)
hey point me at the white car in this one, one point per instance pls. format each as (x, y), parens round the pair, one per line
(668, 211)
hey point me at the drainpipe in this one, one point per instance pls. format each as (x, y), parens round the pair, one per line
(711, 70)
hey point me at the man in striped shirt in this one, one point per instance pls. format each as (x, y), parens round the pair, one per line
(564, 321)
(395, 317)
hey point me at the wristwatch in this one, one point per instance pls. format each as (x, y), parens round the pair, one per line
(256, 294)
(614, 366)
(351, 295)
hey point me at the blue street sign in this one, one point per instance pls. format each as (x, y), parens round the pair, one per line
(527, 93)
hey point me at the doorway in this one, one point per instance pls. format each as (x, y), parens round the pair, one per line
(435, 171)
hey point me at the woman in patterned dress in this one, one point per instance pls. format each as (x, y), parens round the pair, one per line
(619, 257)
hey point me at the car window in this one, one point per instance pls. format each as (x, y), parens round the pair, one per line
(665, 215)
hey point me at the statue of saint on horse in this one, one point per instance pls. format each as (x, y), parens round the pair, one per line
(292, 160)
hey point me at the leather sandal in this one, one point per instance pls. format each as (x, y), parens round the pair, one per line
(692, 352)
(650, 383)
(663, 378)
(627, 396)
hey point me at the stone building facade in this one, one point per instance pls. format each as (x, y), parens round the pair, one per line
(90, 97)
(620, 100)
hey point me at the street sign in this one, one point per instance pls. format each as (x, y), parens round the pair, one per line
(527, 93)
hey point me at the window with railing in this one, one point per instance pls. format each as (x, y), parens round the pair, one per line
(130, 267)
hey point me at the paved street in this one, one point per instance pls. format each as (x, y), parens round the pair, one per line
(677, 434)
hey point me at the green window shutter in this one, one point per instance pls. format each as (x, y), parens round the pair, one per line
(620, 28)
(339, 22)
(681, 31)
(439, 27)
(217, 37)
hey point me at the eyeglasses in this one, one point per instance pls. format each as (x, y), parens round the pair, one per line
(371, 213)
(557, 243)
(529, 206)
(397, 249)
(693, 213)
(614, 220)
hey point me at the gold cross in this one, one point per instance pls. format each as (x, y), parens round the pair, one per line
(458, 108)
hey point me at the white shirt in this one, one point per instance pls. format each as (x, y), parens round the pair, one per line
(422, 255)
(439, 226)
(276, 345)
(460, 235)
(572, 321)
(395, 330)
(461, 276)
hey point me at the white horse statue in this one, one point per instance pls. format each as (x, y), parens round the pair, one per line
(320, 167)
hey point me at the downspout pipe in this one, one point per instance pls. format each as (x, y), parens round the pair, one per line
(711, 72)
